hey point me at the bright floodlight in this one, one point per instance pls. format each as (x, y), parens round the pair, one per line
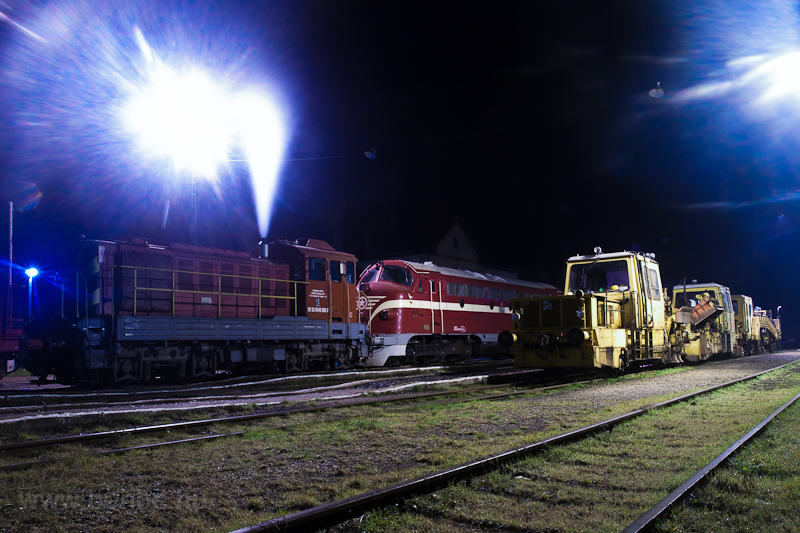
(182, 116)
(191, 118)
(31, 273)
(781, 74)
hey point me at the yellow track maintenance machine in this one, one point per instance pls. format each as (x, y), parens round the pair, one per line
(613, 314)
(769, 329)
(711, 329)
(747, 331)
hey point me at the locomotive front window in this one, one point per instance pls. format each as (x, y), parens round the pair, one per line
(366, 277)
(397, 274)
(369, 275)
(598, 277)
(351, 272)
(316, 269)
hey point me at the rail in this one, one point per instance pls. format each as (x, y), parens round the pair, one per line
(210, 291)
(647, 521)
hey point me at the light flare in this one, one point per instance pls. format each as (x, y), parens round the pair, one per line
(263, 139)
(186, 117)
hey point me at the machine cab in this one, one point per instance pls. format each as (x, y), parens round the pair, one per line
(634, 275)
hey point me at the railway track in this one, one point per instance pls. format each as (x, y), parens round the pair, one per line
(19, 400)
(336, 512)
(539, 386)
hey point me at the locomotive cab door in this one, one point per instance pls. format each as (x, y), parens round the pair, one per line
(317, 301)
(437, 315)
(341, 284)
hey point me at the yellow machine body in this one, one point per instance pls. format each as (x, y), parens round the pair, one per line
(746, 328)
(613, 314)
(711, 329)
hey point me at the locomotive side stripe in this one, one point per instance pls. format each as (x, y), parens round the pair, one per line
(444, 306)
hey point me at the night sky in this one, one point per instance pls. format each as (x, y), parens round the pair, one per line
(529, 124)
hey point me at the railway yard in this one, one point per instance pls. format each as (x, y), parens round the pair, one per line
(407, 450)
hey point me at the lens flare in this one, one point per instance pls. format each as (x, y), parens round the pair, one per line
(188, 118)
(115, 105)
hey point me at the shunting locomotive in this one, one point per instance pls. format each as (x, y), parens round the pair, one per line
(130, 311)
(613, 314)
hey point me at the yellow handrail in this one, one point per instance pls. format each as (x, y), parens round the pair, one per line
(218, 292)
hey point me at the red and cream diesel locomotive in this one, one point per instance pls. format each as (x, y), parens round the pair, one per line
(422, 313)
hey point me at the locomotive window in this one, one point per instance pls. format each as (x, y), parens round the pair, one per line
(351, 272)
(433, 287)
(481, 292)
(735, 307)
(316, 269)
(419, 289)
(369, 275)
(397, 274)
(336, 276)
(598, 277)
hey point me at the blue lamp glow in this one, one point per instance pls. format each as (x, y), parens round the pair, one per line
(31, 273)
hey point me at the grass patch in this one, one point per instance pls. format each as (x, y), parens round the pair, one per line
(320, 457)
(758, 490)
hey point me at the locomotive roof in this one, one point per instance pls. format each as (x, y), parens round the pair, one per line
(699, 286)
(429, 267)
(132, 243)
(315, 247)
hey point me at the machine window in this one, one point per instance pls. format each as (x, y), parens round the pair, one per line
(691, 298)
(735, 307)
(397, 274)
(316, 269)
(655, 289)
(351, 272)
(598, 277)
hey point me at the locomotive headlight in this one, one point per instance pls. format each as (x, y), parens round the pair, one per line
(515, 316)
(580, 313)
